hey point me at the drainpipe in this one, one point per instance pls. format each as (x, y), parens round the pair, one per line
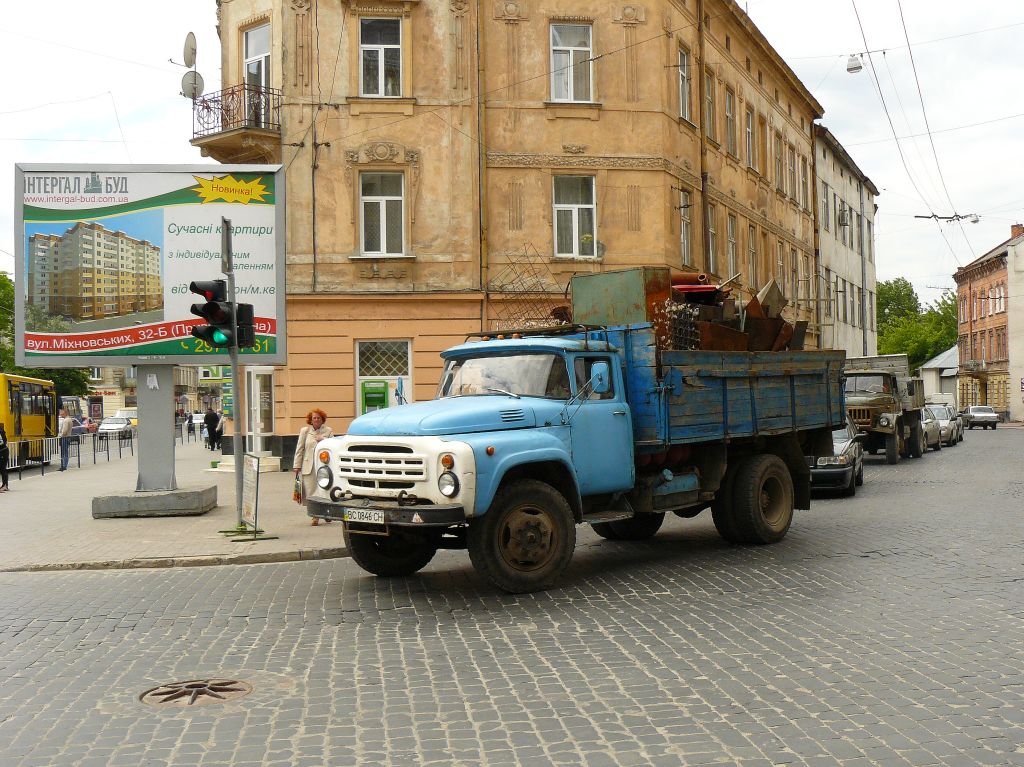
(702, 95)
(863, 269)
(816, 239)
(481, 166)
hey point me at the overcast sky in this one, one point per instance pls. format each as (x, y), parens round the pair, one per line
(91, 82)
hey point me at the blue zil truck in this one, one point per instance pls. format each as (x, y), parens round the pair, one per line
(531, 435)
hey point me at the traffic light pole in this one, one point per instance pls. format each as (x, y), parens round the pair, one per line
(228, 269)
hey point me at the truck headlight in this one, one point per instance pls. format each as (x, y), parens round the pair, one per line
(448, 484)
(883, 421)
(324, 477)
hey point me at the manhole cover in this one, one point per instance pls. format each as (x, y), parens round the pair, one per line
(195, 692)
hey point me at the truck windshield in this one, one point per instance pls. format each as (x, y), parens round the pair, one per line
(523, 375)
(869, 384)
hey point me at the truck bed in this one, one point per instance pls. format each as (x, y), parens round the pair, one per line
(705, 396)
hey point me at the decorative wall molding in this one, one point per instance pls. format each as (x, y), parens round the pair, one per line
(460, 72)
(574, 148)
(302, 46)
(633, 200)
(511, 10)
(383, 7)
(515, 206)
(381, 154)
(630, 14)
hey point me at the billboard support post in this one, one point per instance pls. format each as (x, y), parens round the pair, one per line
(156, 428)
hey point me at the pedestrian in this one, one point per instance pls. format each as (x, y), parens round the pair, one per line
(210, 422)
(219, 429)
(64, 435)
(305, 452)
(5, 453)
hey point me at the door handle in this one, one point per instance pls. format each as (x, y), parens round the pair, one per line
(618, 412)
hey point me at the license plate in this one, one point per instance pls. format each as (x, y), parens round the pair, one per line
(372, 516)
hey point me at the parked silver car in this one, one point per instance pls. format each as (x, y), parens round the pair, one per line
(949, 425)
(930, 432)
(981, 415)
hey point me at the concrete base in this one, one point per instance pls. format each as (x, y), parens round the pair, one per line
(268, 464)
(184, 502)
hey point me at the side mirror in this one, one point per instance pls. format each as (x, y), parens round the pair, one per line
(600, 378)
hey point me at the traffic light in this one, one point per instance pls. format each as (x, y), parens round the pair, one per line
(217, 311)
(246, 331)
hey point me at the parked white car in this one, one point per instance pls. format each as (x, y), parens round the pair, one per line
(981, 415)
(949, 425)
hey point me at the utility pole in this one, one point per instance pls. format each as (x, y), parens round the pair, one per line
(227, 267)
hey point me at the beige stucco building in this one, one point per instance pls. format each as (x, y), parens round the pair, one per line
(429, 186)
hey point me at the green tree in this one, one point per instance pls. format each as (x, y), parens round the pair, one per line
(897, 300)
(68, 381)
(922, 334)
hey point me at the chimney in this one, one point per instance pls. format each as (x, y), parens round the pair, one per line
(1016, 230)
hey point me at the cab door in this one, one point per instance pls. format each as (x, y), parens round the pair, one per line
(601, 431)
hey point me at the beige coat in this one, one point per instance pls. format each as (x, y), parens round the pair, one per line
(305, 448)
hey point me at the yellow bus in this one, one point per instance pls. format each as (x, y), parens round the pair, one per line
(28, 407)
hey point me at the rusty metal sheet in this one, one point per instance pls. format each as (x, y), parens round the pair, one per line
(763, 331)
(783, 338)
(715, 337)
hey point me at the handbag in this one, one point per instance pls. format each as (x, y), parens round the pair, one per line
(297, 489)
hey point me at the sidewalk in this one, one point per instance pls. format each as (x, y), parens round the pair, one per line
(48, 525)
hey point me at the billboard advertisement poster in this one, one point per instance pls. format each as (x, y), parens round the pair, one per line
(105, 255)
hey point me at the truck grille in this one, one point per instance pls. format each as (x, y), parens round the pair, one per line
(385, 467)
(860, 415)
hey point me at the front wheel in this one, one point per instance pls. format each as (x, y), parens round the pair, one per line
(860, 475)
(918, 441)
(525, 540)
(763, 499)
(400, 553)
(892, 449)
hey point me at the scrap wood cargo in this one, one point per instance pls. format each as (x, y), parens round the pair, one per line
(656, 398)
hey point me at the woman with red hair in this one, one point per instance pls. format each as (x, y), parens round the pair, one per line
(305, 452)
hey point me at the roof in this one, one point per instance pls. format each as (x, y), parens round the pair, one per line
(999, 250)
(838, 149)
(948, 359)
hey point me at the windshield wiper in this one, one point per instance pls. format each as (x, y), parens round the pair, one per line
(501, 391)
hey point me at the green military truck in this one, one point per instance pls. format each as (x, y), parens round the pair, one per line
(886, 404)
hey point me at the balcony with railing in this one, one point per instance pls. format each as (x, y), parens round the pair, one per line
(238, 124)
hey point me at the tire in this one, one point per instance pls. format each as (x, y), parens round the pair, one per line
(762, 500)
(892, 449)
(638, 528)
(851, 488)
(918, 441)
(525, 540)
(401, 553)
(860, 475)
(994, 426)
(721, 507)
(970, 426)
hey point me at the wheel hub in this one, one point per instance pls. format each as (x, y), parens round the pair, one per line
(527, 538)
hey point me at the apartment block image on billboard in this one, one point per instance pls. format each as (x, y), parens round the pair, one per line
(106, 256)
(90, 277)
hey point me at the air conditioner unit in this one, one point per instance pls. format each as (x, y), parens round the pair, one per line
(844, 218)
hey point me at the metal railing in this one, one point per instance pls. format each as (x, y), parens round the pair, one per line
(241, 106)
(41, 452)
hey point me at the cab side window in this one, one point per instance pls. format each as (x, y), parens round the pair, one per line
(583, 367)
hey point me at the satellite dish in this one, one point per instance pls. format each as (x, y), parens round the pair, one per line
(190, 50)
(192, 85)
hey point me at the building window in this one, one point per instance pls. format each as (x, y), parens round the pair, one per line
(571, 62)
(95, 374)
(730, 123)
(871, 307)
(709, 105)
(712, 264)
(380, 56)
(749, 138)
(257, 74)
(825, 214)
(752, 256)
(963, 310)
(805, 195)
(762, 144)
(846, 305)
(828, 292)
(780, 179)
(685, 227)
(791, 171)
(844, 220)
(383, 213)
(575, 216)
(794, 266)
(730, 234)
(780, 266)
(684, 85)
(382, 374)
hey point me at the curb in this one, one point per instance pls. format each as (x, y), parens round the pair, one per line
(301, 555)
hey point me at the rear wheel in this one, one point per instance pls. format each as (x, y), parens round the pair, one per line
(892, 449)
(400, 553)
(525, 540)
(918, 441)
(763, 499)
(721, 507)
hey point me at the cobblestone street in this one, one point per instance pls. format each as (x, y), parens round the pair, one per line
(885, 630)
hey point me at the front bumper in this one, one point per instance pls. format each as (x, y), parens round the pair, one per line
(831, 476)
(424, 515)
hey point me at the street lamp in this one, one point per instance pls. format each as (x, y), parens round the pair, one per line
(854, 64)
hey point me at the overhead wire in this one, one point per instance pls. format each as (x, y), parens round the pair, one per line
(928, 128)
(899, 148)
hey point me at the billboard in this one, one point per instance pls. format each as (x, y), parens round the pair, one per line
(105, 255)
